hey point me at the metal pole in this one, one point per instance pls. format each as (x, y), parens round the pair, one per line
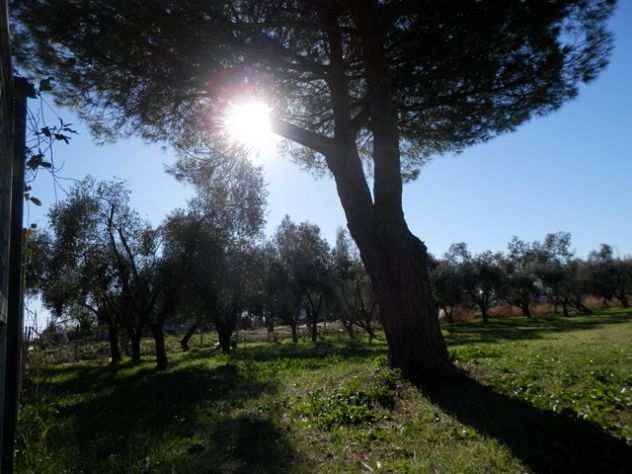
(15, 313)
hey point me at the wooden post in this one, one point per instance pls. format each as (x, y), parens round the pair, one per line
(15, 313)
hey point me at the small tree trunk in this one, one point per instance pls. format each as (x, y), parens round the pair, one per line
(294, 334)
(349, 328)
(565, 310)
(526, 310)
(159, 342)
(271, 336)
(582, 308)
(184, 342)
(484, 313)
(314, 329)
(224, 334)
(113, 337)
(624, 300)
(449, 314)
(370, 332)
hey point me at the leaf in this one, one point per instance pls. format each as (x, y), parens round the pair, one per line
(46, 85)
(35, 161)
(61, 136)
(36, 201)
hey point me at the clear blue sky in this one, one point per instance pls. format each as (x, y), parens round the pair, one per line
(570, 171)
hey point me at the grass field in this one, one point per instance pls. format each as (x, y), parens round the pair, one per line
(543, 395)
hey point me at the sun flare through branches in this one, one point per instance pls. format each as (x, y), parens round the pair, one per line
(248, 124)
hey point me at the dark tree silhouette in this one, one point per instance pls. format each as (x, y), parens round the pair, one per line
(385, 84)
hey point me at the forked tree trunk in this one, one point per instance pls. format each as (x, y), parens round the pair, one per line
(396, 261)
(113, 338)
(159, 342)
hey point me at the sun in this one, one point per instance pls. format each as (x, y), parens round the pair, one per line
(248, 123)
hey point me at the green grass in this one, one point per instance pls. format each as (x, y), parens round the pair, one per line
(541, 395)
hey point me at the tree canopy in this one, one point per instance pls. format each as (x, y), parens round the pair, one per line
(460, 72)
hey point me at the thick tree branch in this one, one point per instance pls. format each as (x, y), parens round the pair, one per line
(314, 141)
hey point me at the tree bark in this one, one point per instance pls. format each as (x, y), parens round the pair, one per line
(184, 342)
(115, 348)
(224, 334)
(348, 326)
(314, 328)
(526, 310)
(294, 334)
(159, 342)
(581, 307)
(448, 314)
(135, 337)
(484, 313)
(408, 312)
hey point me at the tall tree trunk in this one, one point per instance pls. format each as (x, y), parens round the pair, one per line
(397, 264)
(396, 260)
(115, 348)
(184, 342)
(159, 342)
(134, 338)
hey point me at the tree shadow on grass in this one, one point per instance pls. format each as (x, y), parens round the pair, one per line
(187, 419)
(546, 442)
(246, 444)
(508, 329)
(321, 351)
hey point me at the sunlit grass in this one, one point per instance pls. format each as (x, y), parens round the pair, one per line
(250, 412)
